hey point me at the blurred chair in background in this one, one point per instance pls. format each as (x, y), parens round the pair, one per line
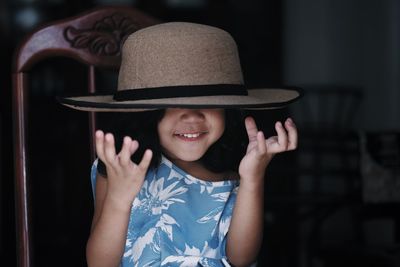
(348, 184)
(328, 168)
(380, 167)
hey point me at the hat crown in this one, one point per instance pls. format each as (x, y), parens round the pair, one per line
(179, 54)
(185, 65)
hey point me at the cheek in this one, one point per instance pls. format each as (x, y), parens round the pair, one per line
(219, 123)
(221, 130)
(165, 145)
(163, 126)
(161, 134)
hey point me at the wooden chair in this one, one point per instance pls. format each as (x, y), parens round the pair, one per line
(94, 39)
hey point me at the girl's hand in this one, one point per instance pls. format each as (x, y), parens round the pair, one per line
(260, 150)
(124, 177)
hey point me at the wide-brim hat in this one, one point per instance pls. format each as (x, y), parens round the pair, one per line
(183, 65)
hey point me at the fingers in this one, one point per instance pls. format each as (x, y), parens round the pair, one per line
(282, 137)
(251, 128)
(286, 138)
(105, 149)
(262, 148)
(100, 144)
(292, 133)
(109, 148)
(145, 162)
(129, 147)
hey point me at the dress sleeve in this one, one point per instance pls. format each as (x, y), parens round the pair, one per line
(93, 176)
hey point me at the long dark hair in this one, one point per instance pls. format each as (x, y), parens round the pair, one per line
(223, 155)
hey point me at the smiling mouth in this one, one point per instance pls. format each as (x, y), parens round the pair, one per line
(190, 136)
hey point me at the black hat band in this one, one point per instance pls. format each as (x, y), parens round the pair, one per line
(180, 91)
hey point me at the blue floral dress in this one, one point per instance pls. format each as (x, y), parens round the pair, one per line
(178, 220)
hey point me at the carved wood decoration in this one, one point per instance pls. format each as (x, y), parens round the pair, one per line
(92, 38)
(105, 37)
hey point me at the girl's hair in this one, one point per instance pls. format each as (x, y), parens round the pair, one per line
(223, 155)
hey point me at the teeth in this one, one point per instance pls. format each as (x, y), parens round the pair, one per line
(194, 135)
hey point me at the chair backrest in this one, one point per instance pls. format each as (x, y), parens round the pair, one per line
(93, 38)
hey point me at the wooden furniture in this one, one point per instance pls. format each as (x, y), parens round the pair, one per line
(93, 38)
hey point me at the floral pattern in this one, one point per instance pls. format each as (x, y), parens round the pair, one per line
(178, 220)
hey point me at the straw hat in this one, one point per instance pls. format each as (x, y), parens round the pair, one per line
(180, 64)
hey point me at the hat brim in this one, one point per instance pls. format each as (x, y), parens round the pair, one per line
(267, 98)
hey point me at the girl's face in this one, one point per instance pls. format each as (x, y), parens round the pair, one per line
(186, 134)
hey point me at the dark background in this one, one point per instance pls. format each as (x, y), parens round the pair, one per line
(333, 202)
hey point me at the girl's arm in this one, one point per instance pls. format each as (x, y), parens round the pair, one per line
(114, 197)
(107, 239)
(246, 228)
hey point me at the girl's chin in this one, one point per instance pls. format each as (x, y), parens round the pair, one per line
(185, 157)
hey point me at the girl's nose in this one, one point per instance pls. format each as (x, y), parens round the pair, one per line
(192, 115)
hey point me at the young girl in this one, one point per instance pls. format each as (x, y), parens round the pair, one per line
(170, 196)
